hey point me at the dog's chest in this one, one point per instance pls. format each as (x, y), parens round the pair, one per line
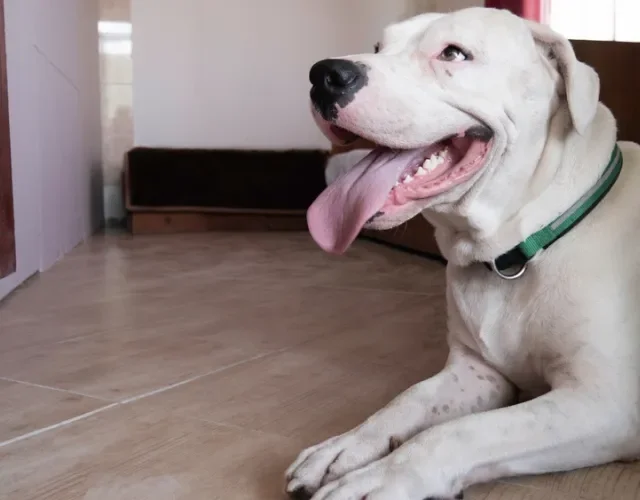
(498, 321)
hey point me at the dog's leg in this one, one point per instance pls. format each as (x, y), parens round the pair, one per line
(466, 385)
(563, 430)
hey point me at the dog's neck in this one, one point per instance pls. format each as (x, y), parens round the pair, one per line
(568, 166)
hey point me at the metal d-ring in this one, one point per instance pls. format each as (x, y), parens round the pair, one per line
(514, 276)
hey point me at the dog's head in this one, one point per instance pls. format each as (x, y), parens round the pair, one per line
(459, 106)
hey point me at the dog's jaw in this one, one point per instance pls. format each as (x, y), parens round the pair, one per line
(448, 168)
(390, 186)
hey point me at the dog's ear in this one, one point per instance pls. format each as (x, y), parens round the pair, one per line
(581, 82)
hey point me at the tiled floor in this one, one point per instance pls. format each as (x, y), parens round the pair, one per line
(196, 367)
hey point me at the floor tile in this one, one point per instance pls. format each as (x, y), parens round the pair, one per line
(501, 491)
(125, 454)
(231, 352)
(125, 347)
(27, 408)
(300, 394)
(619, 481)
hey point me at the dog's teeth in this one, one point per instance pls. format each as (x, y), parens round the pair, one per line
(433, 161)
(430, 164)
(407, 179)
(421, 171)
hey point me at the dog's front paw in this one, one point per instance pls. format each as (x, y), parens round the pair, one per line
(389, 479)
(328, 461)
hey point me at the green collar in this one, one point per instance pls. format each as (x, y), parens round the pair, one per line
(513, 264)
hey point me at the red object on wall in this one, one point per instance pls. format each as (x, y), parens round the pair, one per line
(529, 9)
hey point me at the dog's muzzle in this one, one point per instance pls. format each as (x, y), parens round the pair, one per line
(335, 84)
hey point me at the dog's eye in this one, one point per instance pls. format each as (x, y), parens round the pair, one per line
(376, 48)
(451, 53)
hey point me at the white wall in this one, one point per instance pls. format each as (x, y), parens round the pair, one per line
(214, 73)
(598, 20)
(54, 107)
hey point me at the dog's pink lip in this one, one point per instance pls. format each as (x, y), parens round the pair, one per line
(343, 135)
(371, 189)
(466, 156)
(461, 164)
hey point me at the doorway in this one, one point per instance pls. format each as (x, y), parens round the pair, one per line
(7, 227)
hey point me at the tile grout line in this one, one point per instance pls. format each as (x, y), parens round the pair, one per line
(265, 283)
(52, 427)
(160, 390)
(233, 427)
(379, 290)
(57, 389)
(77, 338)
(333, 287)
(132, 399)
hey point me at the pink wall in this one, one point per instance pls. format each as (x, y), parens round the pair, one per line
(54, 105)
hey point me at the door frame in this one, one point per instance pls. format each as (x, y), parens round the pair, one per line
(7, 221)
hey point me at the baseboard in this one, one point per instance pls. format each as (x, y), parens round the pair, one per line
(223, 180)
(193, 190)
(199, 222)
(402, 248)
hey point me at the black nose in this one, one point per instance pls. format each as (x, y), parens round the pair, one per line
(335, 82)
(335, 75)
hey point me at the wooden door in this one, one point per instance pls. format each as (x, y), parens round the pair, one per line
(7, 229)
(617, 64)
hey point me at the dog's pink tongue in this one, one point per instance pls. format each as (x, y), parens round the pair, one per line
(338, 214)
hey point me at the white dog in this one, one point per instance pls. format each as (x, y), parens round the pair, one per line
(489, 126)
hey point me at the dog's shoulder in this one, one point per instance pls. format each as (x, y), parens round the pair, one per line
(630, 153)
(624, 197)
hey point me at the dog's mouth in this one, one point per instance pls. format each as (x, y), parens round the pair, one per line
(388, 180)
